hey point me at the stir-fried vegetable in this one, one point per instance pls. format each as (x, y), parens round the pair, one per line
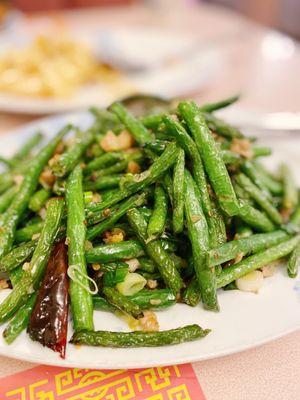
(153, 209)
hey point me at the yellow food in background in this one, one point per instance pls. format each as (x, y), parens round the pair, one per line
(51, 68)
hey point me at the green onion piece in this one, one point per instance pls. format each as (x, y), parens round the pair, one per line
(132, 284)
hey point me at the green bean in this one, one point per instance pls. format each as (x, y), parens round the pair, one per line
(95, 150)
(88, 197)
(133, 201)
(261, 151)
(6, 181)
(152, 121)
(113, 169)
(153, 299)
(113, 266)
(255, 218)
(146, 299)
(256, 261)
(101, 304)
(106, 120)
(191, 295)
(290, 191)
(15, 275)
(260, 198)
(7, 162)
(157, 146)
(158, 219)
(211, 156)
(147, 265)
(99, 216)
(242, 194)
(199, 238)
(141, 181)
(216, 226)
(135, 127)
(170, 245)
(116, 276)
(25, 234)
(186, 142)
(242, 230)
(252, 244)
(268, 180)
(7, 197)
(293, 262)
(114, 252)
(138, 338)
(274, 186)
(103, 182)
(20, 202)
(178, 261)
(249, 169)
(221, 127)
(122, 302)
(81, 299)
(26, 148)
(230, 286)
(18, 168)
(64, 163)
(32, 277)
(229, 157)
(210, 107)
(39, 199)
(154, 276)
(105, 160)
(146, 212)
(126, 180)
(49, 233)
(295, 219)
(20, 320)
(168, 186)
(155, 251)
(136, 156)
(178, 190)
(17, 256)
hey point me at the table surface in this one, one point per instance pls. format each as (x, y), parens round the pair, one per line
(268, 76)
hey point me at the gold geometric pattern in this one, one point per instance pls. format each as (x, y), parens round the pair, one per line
(51, 383)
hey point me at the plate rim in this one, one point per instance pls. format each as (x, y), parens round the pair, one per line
(192, 359)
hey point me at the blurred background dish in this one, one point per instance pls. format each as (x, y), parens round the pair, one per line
(204, 49)
(86, 67)
(52, 68)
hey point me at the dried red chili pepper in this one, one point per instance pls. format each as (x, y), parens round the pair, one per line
(49, 319)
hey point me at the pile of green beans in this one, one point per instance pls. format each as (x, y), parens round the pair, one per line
(172, 215)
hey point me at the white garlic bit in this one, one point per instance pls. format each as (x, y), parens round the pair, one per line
(26, 266)
(269, 269)
(3, 284)
(152, 283)
(42, 213)
(251, 282)
(133, 264)
(149, 322)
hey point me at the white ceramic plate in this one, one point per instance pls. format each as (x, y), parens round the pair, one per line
(174, 65)
(245, 320)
